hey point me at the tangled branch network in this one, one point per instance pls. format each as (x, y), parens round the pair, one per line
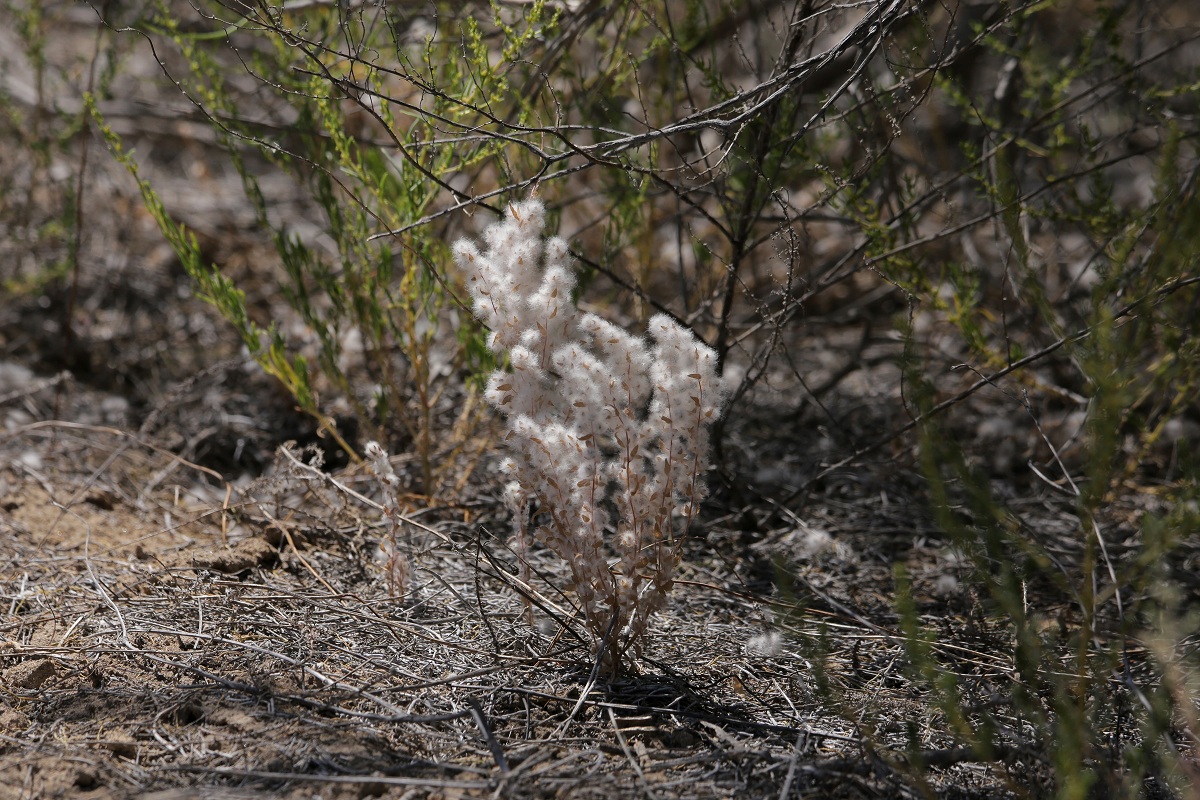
(609, 432)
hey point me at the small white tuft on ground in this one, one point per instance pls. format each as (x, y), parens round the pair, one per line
(945, 585)
(815, 542)
(769, 643)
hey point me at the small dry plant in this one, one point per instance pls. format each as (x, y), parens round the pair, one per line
(396, 551)
(608, 431)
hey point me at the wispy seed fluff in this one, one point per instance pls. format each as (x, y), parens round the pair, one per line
(609, 431)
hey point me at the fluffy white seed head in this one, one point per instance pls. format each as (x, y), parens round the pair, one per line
(600, 421)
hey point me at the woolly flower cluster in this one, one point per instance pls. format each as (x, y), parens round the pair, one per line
(609, 431)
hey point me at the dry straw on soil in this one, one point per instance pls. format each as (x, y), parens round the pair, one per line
(160, 635)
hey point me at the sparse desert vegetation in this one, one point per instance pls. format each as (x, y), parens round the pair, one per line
(933, 533)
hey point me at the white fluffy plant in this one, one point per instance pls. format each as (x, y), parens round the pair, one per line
(609, 432)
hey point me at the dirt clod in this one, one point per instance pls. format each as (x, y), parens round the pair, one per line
(31, 674)
(236, 558)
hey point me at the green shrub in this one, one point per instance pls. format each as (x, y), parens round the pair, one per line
(1000, 198)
